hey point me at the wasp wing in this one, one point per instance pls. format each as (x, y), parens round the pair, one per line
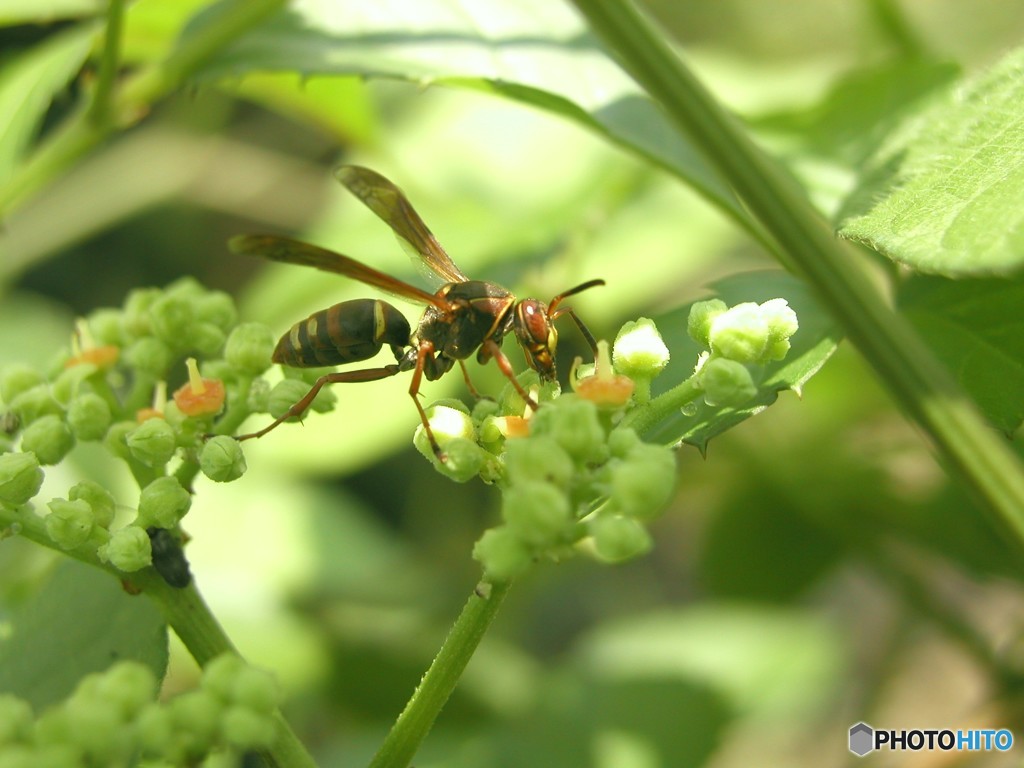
(296, 252)
(394, 209)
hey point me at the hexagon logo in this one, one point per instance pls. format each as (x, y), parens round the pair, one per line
(862, 739)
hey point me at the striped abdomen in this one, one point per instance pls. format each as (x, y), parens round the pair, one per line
(345, 333)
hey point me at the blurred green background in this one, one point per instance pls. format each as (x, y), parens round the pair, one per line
(815, 569)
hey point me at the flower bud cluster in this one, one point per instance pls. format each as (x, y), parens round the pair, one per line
(739, 340)
(574, 479)
(111, 387)
(112, 718)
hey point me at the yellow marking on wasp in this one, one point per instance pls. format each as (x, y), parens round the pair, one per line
(294, 336)
(311, 326)
(378, 320)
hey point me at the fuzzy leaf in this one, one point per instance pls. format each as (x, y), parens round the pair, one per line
(943, 194)
(976, 328)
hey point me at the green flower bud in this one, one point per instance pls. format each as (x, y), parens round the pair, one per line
(639, 351)
(464, 459)
(34, 403)
(17, 378)
(782, 323)
(502, 554)
(128, 550)
(69, 381)
(511, 402)
(89, 416)
(244, 728)
(259, 396)
(217, 307)
(740, 333)
(136, 311)
(129, 685)
(538, 458)
(49, 438)
(116, 440)
(448, 423)
(151, 356)
(206, 339)
(284, 395)
(15, 719)
(186, 287)
(173, 320)
(106, 326)
(69, 523)
(573, 423)
(221, 459)
(101, 503)
(702, 314)
(96, 728)
(153, 442)
(197, 716)
(221, 674)
(256, 689)
(20, 478)
(643, 483)
(537, 512)
(485, 408)
(622, 441)
(726, 382)
(249, 347)
(155, 729)
(163, 503)
(618, 538)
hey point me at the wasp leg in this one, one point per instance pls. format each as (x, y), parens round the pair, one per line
(423, 353)
(491, 349)
(341, 377)
(469, 384)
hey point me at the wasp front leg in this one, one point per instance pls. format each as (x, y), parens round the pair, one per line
(491, 349)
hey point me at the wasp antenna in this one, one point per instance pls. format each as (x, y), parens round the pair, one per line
(572, 292)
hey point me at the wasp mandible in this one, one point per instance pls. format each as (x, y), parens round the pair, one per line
(464, 316)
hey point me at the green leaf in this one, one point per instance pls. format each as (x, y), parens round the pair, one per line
(533, 51)
(976, 328)
(48, 11)
(943, 194)
(813, 344)
(28, 84)
(80, 622)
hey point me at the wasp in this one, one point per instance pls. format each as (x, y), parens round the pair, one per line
(462, 317)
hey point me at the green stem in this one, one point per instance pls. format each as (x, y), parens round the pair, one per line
(430, 696)
(969, 446)
(644, 417)
(192, 621)
(129, 102)
(99, 109)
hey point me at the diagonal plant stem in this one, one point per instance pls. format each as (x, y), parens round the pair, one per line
(969, 447)
(437, 684)
(110, 59)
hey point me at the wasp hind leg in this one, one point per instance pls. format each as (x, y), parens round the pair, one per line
(340, 377)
